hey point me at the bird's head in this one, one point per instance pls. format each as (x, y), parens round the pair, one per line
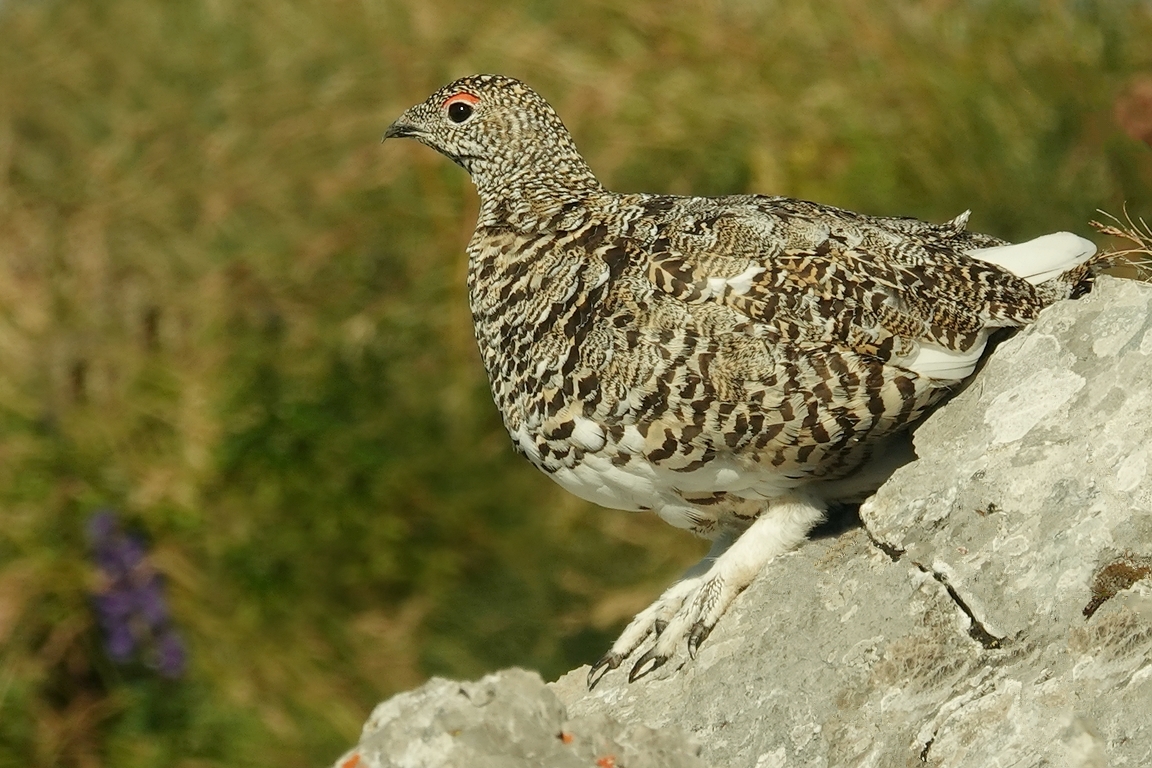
(499, 130)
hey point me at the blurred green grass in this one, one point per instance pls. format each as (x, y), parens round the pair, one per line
(227, 311)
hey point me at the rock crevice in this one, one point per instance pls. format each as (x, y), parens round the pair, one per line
(976, 628)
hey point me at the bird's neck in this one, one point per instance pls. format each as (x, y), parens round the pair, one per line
(536, 193)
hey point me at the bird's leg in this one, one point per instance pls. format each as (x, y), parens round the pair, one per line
(691, 607)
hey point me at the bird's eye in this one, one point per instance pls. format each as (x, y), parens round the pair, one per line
(459, 111)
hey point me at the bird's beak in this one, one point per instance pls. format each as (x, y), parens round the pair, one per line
(401, 129)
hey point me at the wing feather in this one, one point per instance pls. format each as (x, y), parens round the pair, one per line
(918, 295)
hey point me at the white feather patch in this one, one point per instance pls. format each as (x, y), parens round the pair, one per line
(1041, 258)
(526, 443)
(739, 284)
(597, 480)
(632, 441)
(742, 283)
(587, 434)
(716, 285)
(936, 362)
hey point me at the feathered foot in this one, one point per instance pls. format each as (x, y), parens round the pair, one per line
(688, 611)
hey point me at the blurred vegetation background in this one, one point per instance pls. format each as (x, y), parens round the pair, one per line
(227, 312)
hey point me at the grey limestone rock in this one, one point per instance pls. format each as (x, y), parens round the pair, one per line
(509, 719)
(993, 610)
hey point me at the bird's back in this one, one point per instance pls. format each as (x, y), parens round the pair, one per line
(659, 351)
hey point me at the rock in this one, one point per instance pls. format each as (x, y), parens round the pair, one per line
(506, 720)
(993, 610)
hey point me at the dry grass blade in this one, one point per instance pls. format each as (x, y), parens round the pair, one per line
(1134, 260)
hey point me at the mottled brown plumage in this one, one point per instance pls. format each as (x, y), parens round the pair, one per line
(733, 363)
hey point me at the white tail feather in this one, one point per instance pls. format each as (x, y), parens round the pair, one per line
(1039, 259)
(936, 362)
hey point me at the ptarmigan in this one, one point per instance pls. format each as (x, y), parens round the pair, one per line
(733, 363)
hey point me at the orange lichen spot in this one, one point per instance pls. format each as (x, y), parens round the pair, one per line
(565, 737)
(608, 761)
(352, 761)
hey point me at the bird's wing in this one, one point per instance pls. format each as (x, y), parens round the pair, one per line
(901, 290)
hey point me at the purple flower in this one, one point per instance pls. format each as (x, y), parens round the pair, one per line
(170, 656)
(129, 604)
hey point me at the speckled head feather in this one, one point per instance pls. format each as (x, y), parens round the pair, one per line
(732, 363)
(505, 135)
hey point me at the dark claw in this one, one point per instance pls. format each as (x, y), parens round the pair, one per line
(698, 635)
(606, 664)
(659, 626)
(638, 670)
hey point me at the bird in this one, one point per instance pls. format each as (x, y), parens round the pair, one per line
(735, 364)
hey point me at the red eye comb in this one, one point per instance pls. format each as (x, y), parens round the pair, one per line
(466, 98)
